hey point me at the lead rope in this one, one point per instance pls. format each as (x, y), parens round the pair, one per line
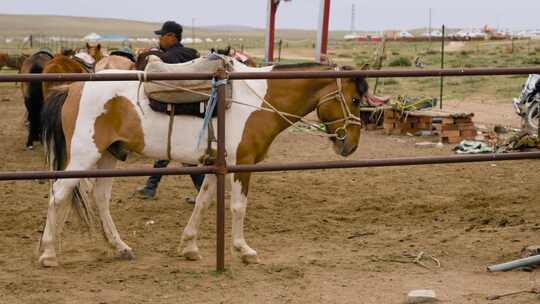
(143, 77)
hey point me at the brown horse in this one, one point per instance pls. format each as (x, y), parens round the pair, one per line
(81, 62)
(123, 59)
(13, 62)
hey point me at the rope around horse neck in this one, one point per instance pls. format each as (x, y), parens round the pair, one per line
(284, 115)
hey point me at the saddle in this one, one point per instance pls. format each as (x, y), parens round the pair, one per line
(185, 97)
(126, 53)
(197, 109)
(182, 91)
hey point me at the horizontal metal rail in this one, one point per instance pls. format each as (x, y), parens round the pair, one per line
(368, 163)
(271, 75)
(28, 175)
(388, 162)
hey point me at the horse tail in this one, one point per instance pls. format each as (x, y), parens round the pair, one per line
(52, 133)
(33, 99)
(54, 143)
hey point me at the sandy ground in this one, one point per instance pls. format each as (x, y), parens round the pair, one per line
(323, 236)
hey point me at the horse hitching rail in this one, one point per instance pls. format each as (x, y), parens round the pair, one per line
(221, 168)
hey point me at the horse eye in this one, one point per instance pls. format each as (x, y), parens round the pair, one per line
(356, 101)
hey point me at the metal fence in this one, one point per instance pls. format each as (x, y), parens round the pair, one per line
(220, 168)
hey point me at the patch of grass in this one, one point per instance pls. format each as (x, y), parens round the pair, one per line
(400, 62)
(391, 81)
(532, 60)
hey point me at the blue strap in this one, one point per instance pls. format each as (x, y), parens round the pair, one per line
(212, 101)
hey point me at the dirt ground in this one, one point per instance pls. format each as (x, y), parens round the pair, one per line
(330, 236)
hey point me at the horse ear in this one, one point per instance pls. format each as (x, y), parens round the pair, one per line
(98, 46)
(87, 45)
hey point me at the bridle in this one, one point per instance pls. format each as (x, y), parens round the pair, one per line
(348, 118)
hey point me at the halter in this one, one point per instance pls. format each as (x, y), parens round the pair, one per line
(348, 117)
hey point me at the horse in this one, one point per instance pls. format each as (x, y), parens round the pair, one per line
(238, 55)
(117, 60)
(82, 62)
(13, 61)
(88, 118)
(33, 94)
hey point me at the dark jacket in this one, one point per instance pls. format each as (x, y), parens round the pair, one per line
(176, 54)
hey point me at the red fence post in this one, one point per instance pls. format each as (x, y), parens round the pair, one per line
(322, 35)
(270, 31)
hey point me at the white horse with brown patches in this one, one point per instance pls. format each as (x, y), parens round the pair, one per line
(91, 117)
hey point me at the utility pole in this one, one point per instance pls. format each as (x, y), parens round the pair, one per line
(193, 29)
(353, 18)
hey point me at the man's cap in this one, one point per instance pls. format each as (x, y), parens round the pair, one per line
(170, 27)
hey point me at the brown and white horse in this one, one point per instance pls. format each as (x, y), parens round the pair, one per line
(92, 116)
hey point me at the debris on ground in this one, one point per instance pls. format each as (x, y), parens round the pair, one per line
(473, 147)
(521, 141)
(406, 103)
(529, 251)
(500, 296)
(500, 129)
(408, 258)
(421, 296)
(426, 144)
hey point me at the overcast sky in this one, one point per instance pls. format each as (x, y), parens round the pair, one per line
(303, 14)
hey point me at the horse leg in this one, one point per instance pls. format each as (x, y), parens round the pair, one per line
(239, 190)
(61, 193)
(102, 197)
(189, 236)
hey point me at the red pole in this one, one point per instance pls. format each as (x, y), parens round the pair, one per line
(324, 24)
(271, 31)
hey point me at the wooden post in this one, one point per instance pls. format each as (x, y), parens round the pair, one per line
(442, 65)
(280, 47)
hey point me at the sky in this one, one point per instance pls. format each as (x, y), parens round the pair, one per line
(300, 14)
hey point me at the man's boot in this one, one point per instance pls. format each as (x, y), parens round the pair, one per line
(149, 190)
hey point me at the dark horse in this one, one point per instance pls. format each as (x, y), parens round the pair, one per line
(33, 94)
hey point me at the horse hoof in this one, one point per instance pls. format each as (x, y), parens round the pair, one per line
(48, 262)
(250, 258)
(126, 254)
(192, 255)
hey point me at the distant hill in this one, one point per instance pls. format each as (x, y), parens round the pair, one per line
(51, 25)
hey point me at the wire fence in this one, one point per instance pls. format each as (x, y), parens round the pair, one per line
(221, 168)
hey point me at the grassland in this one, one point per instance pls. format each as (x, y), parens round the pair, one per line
(298, 45)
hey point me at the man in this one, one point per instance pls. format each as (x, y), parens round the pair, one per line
(170, 51)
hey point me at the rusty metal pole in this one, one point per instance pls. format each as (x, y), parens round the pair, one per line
(221, 171)
(442, 65)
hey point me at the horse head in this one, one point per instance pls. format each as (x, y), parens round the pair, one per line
(94, 51)
(339, 111)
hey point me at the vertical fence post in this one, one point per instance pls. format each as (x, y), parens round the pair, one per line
(221, 171)
(442, 65)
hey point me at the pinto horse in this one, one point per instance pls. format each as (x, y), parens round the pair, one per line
(90, 117)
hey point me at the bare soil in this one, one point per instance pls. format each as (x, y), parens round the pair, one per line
(331, 236)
